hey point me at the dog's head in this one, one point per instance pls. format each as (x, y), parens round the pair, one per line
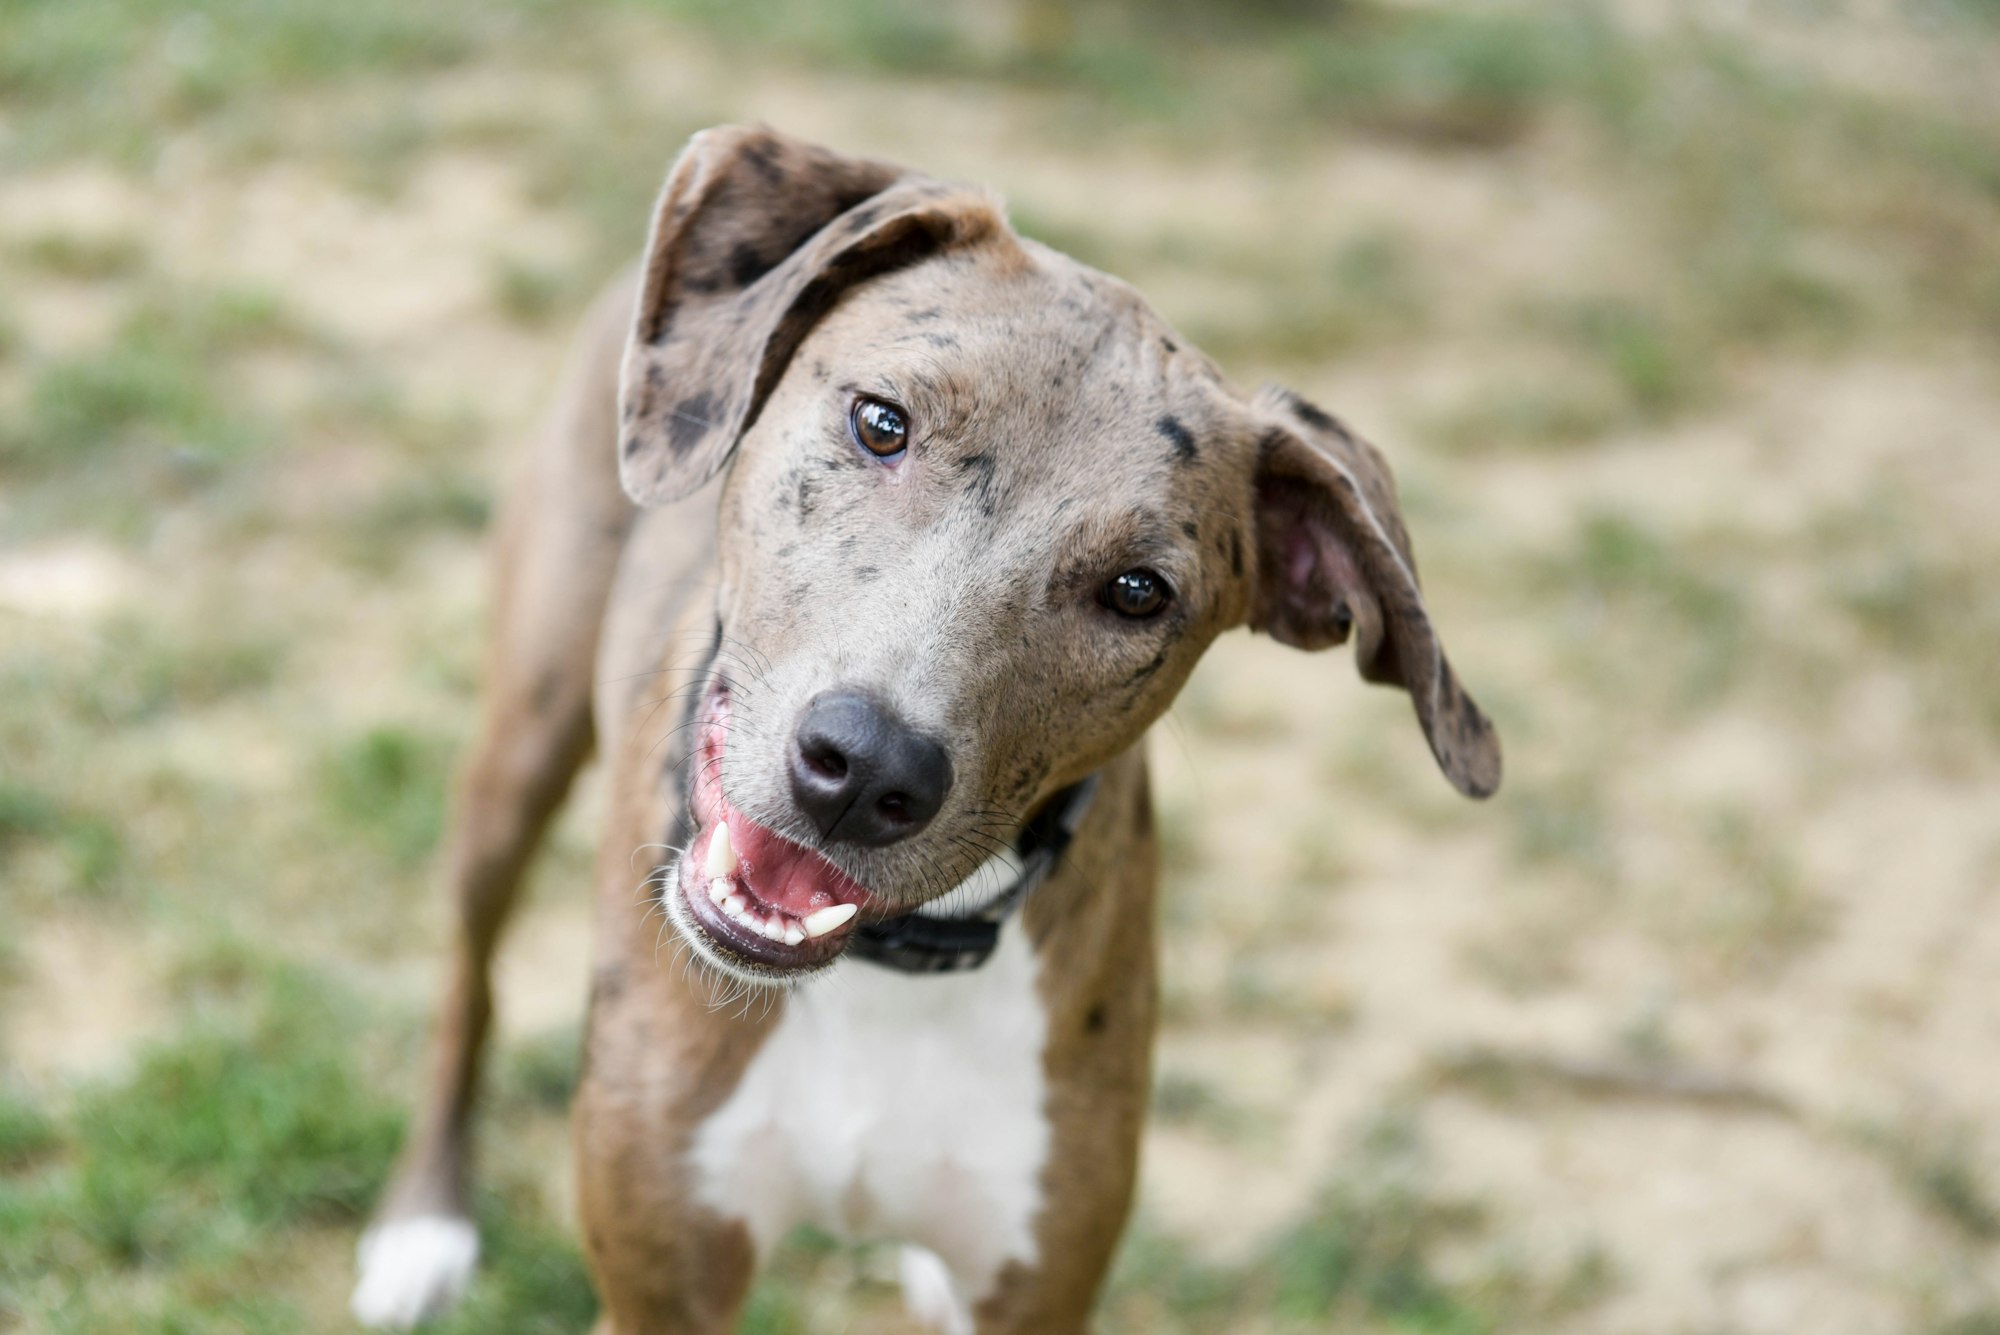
(985, 510)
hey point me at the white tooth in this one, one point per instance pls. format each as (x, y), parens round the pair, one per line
(738, 907)
(720, 889)
(821, 922)
(793, 932)
(721, 854)
(772, 929)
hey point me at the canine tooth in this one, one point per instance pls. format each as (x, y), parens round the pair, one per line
(822, 921)
(720, 889)
(793, 932)
(721, 853)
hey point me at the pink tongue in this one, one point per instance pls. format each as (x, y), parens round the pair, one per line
(783, 875)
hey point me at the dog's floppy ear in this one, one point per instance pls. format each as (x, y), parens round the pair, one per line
(1333, 559)
(755, 237)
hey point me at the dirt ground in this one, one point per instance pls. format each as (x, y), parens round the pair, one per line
(1680, 332)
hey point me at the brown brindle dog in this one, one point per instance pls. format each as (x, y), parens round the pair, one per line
(980, 512)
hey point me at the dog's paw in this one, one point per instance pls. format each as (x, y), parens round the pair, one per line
(929, 1293)
(413, 1270)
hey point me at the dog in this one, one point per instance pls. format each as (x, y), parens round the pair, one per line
(866, 540)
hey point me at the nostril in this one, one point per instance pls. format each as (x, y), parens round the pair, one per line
(826, 762)
(862, 775)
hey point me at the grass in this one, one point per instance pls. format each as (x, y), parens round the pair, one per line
(1366, 1255)
(114, 1216)
(271, 1132)
(385, 788)
(1632, 594)
(1939, 1166)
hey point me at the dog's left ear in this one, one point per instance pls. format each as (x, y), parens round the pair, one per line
(755, 237)
(1333, 559)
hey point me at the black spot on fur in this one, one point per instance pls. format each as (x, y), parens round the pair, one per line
(979, 482)
(1180, 437)
(928, 313)
(1094, 1020)
(689, 422)
(1313, 415)
(1469, 717)
(1191, 530)
(804, 495)
(661, 328)
(632, 444)
(940, 340)
(747, 264)
(1159, 661)
(866, 572)
(1029, 772)
(762, 155)
(1236, 551)
(1169, 346)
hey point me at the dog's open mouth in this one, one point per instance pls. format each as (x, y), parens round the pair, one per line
(746, 895)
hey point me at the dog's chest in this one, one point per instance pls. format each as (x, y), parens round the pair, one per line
(894, 1106)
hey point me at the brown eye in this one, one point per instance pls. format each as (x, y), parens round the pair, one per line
(1136, 594)
(879, 427)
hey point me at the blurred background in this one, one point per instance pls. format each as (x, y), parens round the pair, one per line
(1679, 322)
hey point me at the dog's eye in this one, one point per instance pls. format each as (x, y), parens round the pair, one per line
(1136, 593)
(879, 427)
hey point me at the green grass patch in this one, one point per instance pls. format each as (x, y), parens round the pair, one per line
(544, 1069)
(153, 1190)
(1939, 1166)
(1466, 78)
(174, 1199)
(531, 1277)
(1634, 597)
(84, 257)
(386, 788)
(156, 388)
(85, 847)
(1932, 613)
(1364, 1256)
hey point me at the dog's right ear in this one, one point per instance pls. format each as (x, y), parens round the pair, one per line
(755, 237)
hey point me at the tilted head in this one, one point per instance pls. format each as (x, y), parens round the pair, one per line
(984, 512)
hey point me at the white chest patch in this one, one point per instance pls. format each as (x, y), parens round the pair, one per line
(888, 1106)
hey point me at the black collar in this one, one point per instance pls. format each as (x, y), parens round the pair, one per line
(915, 943)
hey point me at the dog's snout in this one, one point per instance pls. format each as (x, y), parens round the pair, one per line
(862, 775)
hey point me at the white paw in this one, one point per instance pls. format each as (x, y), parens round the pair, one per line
(413, 1270)
(929, 1293)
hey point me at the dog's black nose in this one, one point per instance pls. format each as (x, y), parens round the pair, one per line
(863, 775)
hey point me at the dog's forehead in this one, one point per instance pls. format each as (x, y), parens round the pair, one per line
(1039, 358)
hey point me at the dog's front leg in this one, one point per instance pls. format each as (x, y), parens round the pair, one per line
(659, 1062)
